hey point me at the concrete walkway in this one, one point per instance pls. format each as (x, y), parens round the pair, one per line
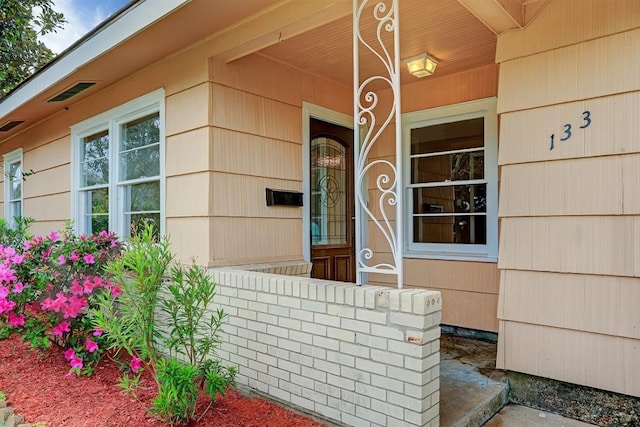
(521, 416)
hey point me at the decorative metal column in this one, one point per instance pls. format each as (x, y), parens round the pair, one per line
(380, 41)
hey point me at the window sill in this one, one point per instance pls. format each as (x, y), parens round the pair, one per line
(450, 256)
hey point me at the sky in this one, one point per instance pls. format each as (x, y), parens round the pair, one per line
(81, 16)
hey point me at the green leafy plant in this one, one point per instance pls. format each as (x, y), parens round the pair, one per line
(193, 328)
(193, 336)
(15, 236)
(129, 384)
(130, 322)
(178, 392)
(165, 308)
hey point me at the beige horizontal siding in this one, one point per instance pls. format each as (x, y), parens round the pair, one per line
(525, 135)
(243, 153)
(256, 238)
(570, 227)
(589, 303)
(595, 360)
(188, 152)
(591, 69)
(567, 22)
(606, 245)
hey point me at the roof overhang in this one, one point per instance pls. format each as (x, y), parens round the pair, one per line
(119, 28)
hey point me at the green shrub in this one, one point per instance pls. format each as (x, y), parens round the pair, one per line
(151, 285)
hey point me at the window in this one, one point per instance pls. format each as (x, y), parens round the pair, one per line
(451, 181)
(13, 186)
(118, 168)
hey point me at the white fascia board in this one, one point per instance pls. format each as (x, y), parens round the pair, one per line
(139, 17)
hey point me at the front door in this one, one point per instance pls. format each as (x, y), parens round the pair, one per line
(332, 202)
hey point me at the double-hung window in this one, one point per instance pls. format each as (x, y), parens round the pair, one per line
(451, 181)
(13, 186)
(118, 159)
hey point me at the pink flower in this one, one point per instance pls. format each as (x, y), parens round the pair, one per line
(14, 320)
(17, 259)
(69, 353)
(76, 288)
(135, 364)
(75, 362)
(54, 236)
(97, 332)
(8, 251)
(4, 291)
(75, 307)
(6, 305)
(91, 346)
(88, 258)
(62, 260)
(56, 304)
(6, 274)
(61, 328)
(115, 291)
(73, 256)
(114, 244)
(17, 288)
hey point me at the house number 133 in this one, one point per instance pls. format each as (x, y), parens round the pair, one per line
(567, 131)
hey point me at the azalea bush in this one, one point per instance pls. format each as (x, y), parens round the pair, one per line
(164, 311)
(48, 283)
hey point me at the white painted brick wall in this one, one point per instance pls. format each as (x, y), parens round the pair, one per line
(362, 356)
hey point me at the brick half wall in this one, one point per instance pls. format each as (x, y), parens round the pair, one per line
(355, 355)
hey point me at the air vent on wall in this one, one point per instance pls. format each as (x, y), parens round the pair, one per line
(72, 91)
(10, 125)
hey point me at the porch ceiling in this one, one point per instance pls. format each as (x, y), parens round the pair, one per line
(315, 36)
(443, 28)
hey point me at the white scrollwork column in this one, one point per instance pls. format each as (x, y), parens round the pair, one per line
(376, 35)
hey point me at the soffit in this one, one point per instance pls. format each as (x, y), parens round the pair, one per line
(153, 43)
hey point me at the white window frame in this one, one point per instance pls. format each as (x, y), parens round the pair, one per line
(10, 158)
(111, 121)
(485, 108)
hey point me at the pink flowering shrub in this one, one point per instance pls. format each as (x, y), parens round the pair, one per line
(48, 284)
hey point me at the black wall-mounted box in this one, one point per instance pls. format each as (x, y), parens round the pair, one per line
(283, 198)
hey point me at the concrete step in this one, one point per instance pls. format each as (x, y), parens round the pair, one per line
(471, 389)
(521, 416)
(467, 397)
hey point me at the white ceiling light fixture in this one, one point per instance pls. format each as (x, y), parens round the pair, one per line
(421, 65)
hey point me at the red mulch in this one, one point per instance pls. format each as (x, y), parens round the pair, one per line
(37, 388)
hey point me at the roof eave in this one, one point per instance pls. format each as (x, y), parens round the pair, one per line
(128, 21)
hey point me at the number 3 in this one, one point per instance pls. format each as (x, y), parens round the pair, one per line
(586, 116)
(567, 132)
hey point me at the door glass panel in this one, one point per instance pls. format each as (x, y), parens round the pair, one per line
(328, 192)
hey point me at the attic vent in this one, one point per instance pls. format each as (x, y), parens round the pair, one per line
(72, 91)
(10, 125)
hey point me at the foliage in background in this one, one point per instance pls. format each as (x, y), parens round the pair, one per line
(155, 292)
(21, 53)
(15, 236)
